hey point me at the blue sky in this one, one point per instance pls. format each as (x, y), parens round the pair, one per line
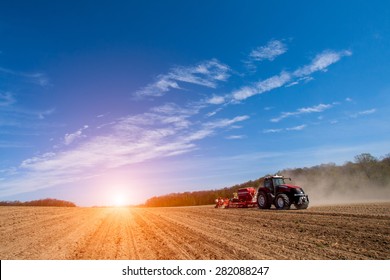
(142, 98)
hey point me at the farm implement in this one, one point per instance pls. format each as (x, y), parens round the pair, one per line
(274, 191)
(244, 198)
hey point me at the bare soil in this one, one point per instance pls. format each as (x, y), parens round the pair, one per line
(356, 231)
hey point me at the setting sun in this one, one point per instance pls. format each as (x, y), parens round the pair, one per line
(119, 200)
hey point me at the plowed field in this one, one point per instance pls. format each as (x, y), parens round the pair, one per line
(360, 231)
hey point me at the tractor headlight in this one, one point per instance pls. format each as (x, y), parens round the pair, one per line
(298, 192)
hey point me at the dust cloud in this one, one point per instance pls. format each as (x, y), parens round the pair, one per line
(324, 189)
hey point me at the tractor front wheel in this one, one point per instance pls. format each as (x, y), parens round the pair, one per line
(262, 201)
(304, 205)
(282, 202)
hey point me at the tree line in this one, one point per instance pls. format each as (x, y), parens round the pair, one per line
(366, 171)
(39, 202)
(199, 197)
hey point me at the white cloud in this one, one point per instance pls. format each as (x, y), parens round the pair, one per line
(206, 74)
(292, 84)
(367, 112)
(225, 122)
(213, 113)
(273, 82)
(277, 130)
(262, 86)
(321, 62)
(159, 88)
(244, 93)
(216, 100)
(272, 130)
(299, 127)
(71, 137)
(305, 80)
(174, 109)
(315, 109)
(307, 110)
(302, 74)
(235, 137)
(199, 134)
(363, 113)
(210, 72)
(270, 51)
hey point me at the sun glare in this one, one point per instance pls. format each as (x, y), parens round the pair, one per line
(118, 200)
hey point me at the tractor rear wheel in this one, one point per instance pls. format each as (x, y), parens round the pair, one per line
(263, 201)
(282, 202)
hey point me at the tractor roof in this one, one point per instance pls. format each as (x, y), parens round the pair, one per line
(274, 176)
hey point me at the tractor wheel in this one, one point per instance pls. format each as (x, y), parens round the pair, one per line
(282, 202)
(262, 201)
(302, 206)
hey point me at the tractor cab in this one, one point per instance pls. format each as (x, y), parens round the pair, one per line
(273, 182)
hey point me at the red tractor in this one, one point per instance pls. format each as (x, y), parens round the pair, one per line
(274, 191)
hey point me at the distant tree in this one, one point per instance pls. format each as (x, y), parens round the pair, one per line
(39, 202)
(367, 163)
(365, 158)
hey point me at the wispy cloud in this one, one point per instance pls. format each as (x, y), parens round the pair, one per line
(16, 116)
(235, 137)
(43, 114)
(213, 113)
(216, 100)
(7, 145)
(6, 99)
(206, 74)
(304, 80)
(69, 138)
(262, 86)
(285, 78)
(272, 130)
(225, 122)
(270, 51)
(321, 62)
(297, 128)
(363, 113)
(277, 130)
(38, 78)
(209, 128)
(163, 131)
(306, 110)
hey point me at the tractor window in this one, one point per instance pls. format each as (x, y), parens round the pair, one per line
(278, 181)
(268, 184)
